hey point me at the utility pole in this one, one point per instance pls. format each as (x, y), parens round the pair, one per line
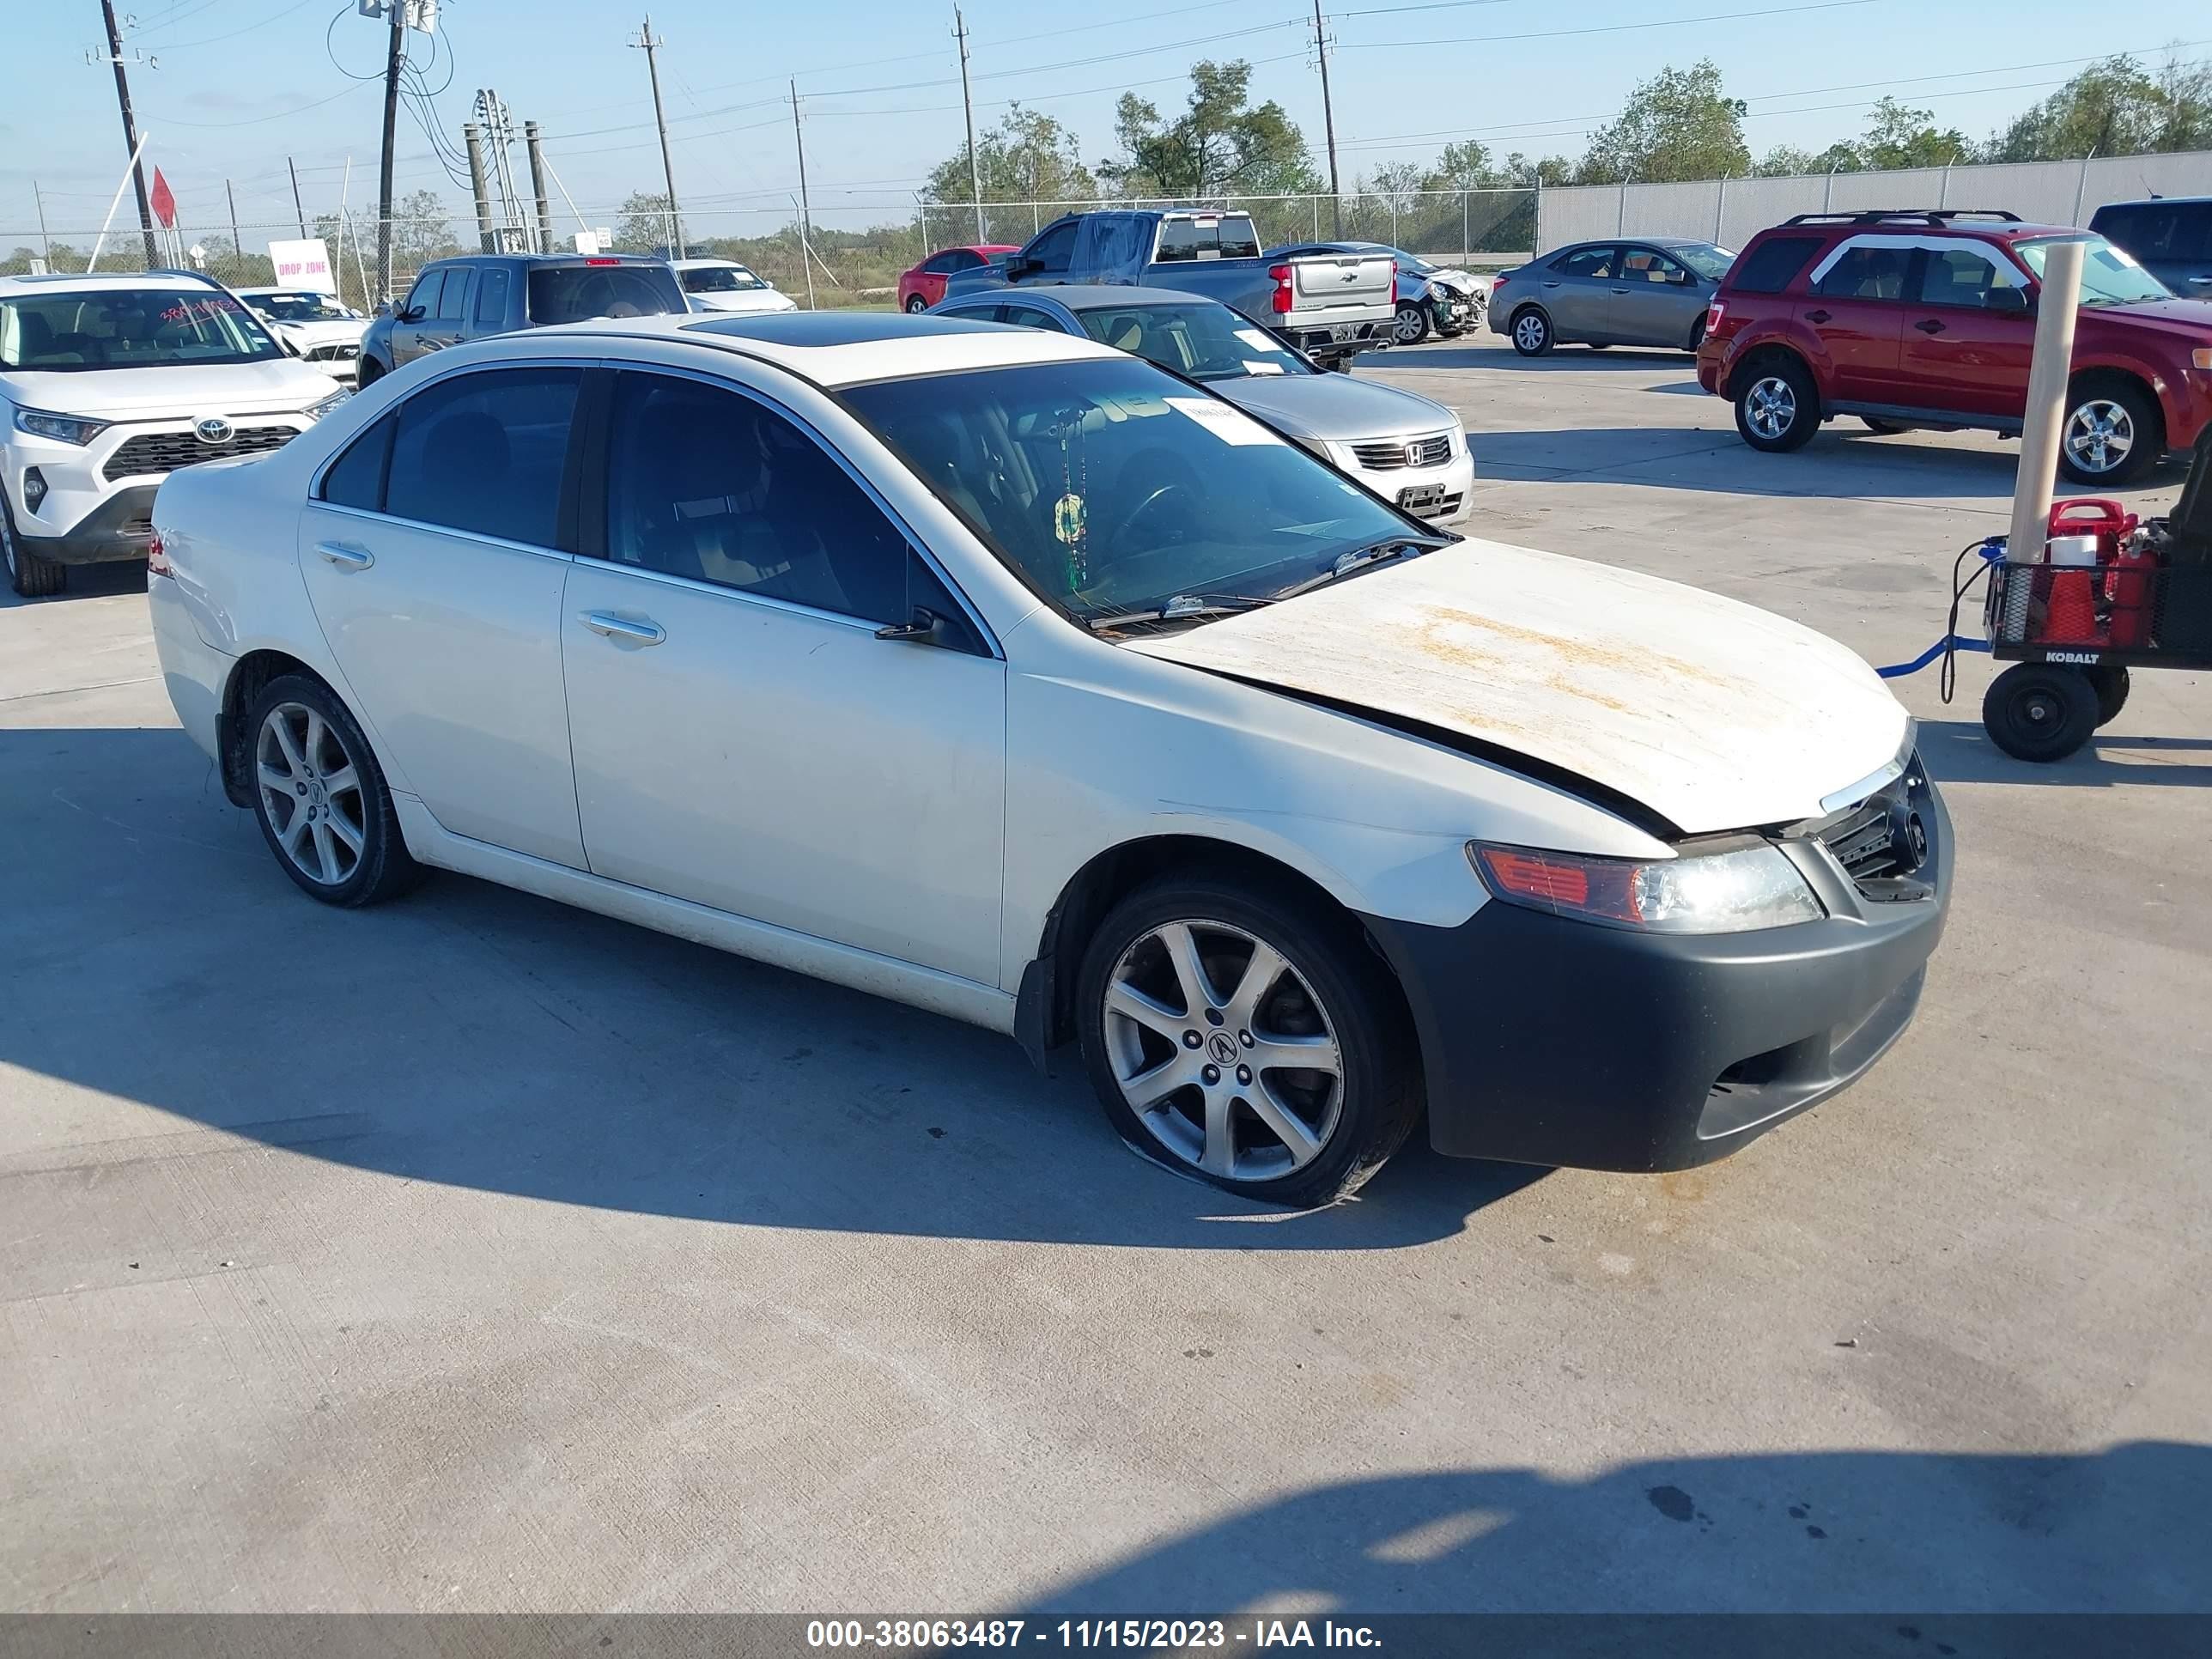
(968, 109)
(471, 137)
(296, 206)
(45, 248)
(652, 47)
(237, 248)
(805, 209)
(395, 57)
(531, 142)
(1329, 123)
(130, 130)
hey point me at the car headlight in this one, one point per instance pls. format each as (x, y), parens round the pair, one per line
(1437, 291)
(315, 411)
(67, 429)
(1733, 890)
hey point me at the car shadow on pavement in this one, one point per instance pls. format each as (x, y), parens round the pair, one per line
(1567, 359)
(476, 1036)
(86, 581)
(1837, 463)
(1959, 751)
(1947, 1538)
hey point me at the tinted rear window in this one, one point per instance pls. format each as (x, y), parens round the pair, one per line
(1773, 265)
(2158, 230)
(573, 293)
(1230, 237)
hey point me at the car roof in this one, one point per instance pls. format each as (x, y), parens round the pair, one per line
(702, 264)
(844, 348)
(99, 282)
(2162, 201)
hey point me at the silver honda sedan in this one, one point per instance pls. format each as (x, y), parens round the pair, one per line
(1411, 452)
(1652, 291)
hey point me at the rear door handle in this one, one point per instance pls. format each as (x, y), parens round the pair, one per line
(1550, 284)
(346, 558)
(637, 630)
(2200, 282)
(1621, 290)
(1816, 316)
(1929, 326)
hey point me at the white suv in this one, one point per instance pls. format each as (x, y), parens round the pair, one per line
(107, 384)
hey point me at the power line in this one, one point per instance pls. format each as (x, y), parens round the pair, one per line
(1601, 28)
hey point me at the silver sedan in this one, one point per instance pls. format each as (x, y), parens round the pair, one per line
(1649, 292)
(1408, 450)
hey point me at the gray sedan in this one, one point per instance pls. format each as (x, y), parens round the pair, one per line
(1407, 450)
(1649, 292)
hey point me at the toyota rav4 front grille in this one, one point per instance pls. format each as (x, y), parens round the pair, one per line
(165, 452)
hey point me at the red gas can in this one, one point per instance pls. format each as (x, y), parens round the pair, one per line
(2132, 588)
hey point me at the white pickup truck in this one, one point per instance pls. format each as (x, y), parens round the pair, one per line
(1330, 306)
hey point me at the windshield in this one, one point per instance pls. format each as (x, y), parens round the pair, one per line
(298, 307)
(574, 293)
(1115, 488)
(719, 279)
(2110, 275)
(129, 328)
(1206, 342)
(1707, 261)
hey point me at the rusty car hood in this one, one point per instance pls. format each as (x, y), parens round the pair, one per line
(1712, 713)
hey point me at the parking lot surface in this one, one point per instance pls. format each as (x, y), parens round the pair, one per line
(476, 1253)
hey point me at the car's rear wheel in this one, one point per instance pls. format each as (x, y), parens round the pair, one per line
(1697, 334)
(320, 797)
(1532, 332)
(1777, 406)
(2111, 433)
(1413, 325)
(914, 302)
(29, 574)
(1243, 1039)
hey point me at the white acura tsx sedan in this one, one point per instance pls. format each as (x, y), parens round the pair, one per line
(1012, 676)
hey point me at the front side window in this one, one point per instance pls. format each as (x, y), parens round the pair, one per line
(1204, 342)
(2110, 275)
(492, 285)
(1113, 488)
(1643, 264)
(484, 454)
(1055, 249)
(705, 483)
(1966, 276)
(1589, 264)
(576, 294)
(422, 298)
(129, 328)
(1866, 273)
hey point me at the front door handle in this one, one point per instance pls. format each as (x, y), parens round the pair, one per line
(1621, 290)
(2200, 282)
(346, 558)
(1816, 316)
(1929, 326)
(637, 630)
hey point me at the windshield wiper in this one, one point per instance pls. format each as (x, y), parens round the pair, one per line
(1183, 607)
(1359, 558)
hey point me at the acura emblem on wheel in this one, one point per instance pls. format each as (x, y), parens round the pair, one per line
(212, 429)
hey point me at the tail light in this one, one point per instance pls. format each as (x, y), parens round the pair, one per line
(1281, 299)
(602, 261)
(157, 557)
(1714, 312)
(1500, 280)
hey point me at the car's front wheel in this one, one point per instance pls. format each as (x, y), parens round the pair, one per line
(1777, 405)
(320, 797)
(915, 303)
(31, 575)
(1413, 325)
(2112, 432)
(368, 373)
(1242, 1039)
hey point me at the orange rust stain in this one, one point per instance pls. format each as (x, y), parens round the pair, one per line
(1637, 660)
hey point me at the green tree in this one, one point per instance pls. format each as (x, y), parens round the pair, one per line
(2184, 92)
(1788, 161)
(645, 222)
(2111, 108)
(1519, 171)
(422, 229)
(1899, 137)
(1027, 157)
(1677, 126)
(1220, 144)
(1463, 165)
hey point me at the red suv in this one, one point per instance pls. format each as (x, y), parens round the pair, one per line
(1927, 320)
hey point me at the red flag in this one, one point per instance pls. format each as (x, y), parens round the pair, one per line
(165, 203)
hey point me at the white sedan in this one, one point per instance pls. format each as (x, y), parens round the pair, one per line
(1008, 675)
(725, 285)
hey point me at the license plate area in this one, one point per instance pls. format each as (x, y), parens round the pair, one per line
(1340, 333)
(1422, 498)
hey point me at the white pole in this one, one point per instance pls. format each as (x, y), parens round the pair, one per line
(2048, 372)
(581, 224)
(2082, 185)
(128, 172)
(338, 273)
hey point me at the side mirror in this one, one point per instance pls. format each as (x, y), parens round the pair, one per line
(1019, 266)
(2013, 302)
(411, 314)
(926, 627)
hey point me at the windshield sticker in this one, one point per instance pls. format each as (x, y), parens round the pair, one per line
(1251, 367)
(1222, 421)
(198, 311)
(1257, 339)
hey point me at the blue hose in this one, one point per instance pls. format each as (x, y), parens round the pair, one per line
(1948, 642)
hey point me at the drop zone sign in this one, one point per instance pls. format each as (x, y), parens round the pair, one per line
(303, 265)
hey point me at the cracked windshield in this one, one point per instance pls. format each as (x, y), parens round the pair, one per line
(1122, 494)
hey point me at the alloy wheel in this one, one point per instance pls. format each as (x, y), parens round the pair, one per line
(1223, 1051)
(1771, 406)
(2101, 435)
(1528, 333)
(311, 793)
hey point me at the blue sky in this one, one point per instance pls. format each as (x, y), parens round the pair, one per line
(242, 83)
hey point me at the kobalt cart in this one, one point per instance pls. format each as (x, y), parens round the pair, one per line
(2111, 593)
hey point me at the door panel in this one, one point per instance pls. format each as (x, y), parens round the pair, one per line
(1959, 352)
(789, 767)
(1577, 291)
(450, 639)
(1655, 302)
(1856, 309)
